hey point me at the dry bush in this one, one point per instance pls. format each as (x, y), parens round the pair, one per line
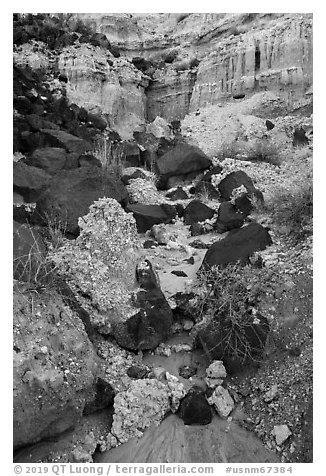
(226, 302)
(294, 209)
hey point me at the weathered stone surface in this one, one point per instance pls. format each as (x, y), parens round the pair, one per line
(72, 192)
(159, 128)
(281, 433)
(216, 370)
(238, 245)
(105, 87)
(55, 368)
(222, 401)
(144, 404)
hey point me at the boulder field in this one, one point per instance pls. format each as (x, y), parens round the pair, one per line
(156, 155)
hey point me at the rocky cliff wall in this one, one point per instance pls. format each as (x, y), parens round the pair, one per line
(237, 54)
(98, 81)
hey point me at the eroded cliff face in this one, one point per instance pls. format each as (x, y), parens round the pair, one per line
(237, 54)
(98, 81)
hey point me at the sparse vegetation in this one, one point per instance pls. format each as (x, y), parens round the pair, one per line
(260, 150)
(294, 209)
(227, 302)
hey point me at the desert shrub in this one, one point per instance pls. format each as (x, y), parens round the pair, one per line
(100, 263)
(294, 209)
(226, 303)
(264, 151)
(259, 150)
(32, 263)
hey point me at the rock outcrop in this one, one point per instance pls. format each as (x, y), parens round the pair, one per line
(236, 54)
(55, 367)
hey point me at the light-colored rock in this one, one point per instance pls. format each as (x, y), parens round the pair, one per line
(213, 382)
(142, 405)
(159, 128)
(271, 393)
(159, 373)
(222, 401)
(92, 83)
(177, 389)
(281, 433)
(216, 370)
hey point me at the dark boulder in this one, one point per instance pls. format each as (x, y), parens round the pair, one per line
(97, 121)
(244, 204)
(100, 39)
(135, 371)
(71, 192)
(238, 245)
(37, 123)
(197, 211)
(63, 139)
(269, 125)
(194, 408)
(177, 194)
(197, 229)
(235, 180)
(239, 96)
(299, 137)
(179, 273)
(181, 161)
(237, 345)
(29, 181)
(152, 324)
(229, 217)
(82, 114)
(104, 396)
(148, 215)
(114, 50)
(49, 159)
(88, 160)
(23, 105)
(141, 64)
(62, 111)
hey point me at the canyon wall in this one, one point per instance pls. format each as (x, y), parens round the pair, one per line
(237, 54)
